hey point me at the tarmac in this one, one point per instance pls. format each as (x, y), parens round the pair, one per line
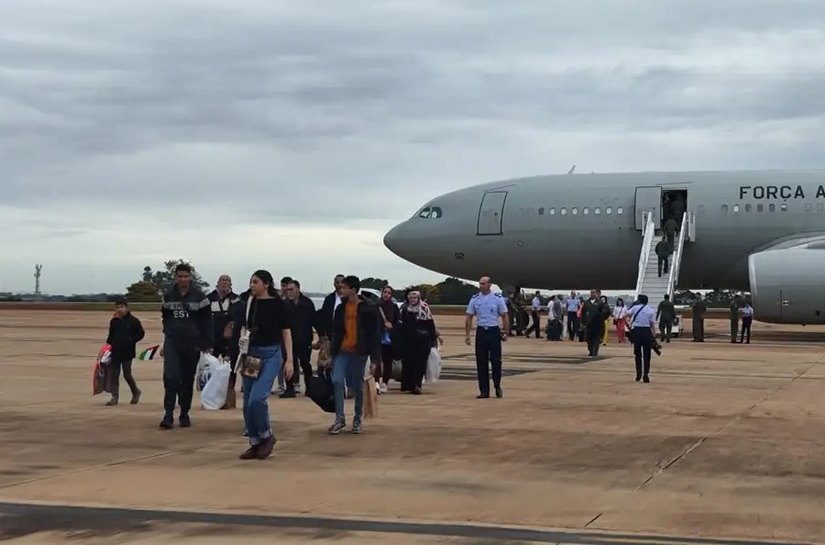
(724, 446)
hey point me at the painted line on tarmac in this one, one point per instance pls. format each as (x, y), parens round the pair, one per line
(67, 517)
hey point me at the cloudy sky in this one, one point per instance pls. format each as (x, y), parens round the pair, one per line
(292, 135)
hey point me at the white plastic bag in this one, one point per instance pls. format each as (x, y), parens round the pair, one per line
(213, 395)
(206, 365)
(433, 370)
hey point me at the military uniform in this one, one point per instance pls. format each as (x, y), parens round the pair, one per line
(734, 320)
(488, 310)
(699, 309)
(667, 316)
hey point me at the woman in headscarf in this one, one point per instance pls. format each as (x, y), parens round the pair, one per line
(389, 314)
(417, 337)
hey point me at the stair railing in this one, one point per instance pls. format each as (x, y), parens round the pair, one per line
(647, 241)
(673, 275)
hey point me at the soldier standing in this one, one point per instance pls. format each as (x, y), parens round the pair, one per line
(747, 320)
(734, 318)
(699, 309)
(666, 313)
(490, 311)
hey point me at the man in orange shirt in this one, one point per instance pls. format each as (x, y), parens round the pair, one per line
(355, 337)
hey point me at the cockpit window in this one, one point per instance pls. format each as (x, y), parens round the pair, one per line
(436, 212)
(424, 213)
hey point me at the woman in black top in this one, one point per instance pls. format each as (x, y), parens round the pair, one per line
(265, 336)
(388, 311)
(417, 336)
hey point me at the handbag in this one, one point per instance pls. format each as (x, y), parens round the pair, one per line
(386, 340)
(370, 398)
(320, 390)
(250, 365)
(231, 398)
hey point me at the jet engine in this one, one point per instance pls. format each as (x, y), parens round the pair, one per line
(788, 286)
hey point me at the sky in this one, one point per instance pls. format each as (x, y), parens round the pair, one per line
(246, 134)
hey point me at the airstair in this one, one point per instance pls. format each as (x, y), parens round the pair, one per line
(648, 280)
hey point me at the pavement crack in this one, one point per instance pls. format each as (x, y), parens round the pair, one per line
(113, 463)
(662, 468)
(594, 519)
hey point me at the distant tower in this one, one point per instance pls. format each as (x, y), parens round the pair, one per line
(37, 269)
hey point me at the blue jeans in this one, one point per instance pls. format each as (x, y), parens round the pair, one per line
(256, 392)
(348, 368)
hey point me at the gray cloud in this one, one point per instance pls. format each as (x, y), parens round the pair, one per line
(324, 113)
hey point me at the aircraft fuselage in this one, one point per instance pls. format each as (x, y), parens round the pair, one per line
(584, 230)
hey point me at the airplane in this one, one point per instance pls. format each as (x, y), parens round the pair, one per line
(759, 231)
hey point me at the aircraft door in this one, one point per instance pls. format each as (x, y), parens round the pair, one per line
(491, 213)
(648, 199)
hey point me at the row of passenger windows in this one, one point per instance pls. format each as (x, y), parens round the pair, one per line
(771, 208)
(608, 210)
(435, 212)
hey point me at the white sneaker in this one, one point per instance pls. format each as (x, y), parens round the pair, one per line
(382, 389)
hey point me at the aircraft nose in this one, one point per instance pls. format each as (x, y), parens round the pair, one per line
(393, 238)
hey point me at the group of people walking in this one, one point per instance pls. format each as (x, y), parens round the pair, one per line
(269, 335)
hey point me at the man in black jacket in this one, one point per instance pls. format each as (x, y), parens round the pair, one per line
(355, 337)
(327, 311)
(125, 331)
(663, 252)
(594, 313)
(221, 299)
(187, 329)
(303, 323)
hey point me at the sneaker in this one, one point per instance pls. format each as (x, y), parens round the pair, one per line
(184, 421)
(356, 428)
(112, 402)
(336, 427)
(383, 388)
(499, 392)
(136, 398)
(287, 394)
(167, 423)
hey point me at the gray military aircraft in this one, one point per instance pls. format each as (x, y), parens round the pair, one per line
(757, 231)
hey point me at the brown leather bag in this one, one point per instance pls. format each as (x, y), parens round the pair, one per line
(231, 398)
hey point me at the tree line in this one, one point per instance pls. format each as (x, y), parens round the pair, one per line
(451, 291)
(153, 283)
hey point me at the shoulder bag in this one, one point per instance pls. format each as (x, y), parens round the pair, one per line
(630, 334)
(250, 366)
